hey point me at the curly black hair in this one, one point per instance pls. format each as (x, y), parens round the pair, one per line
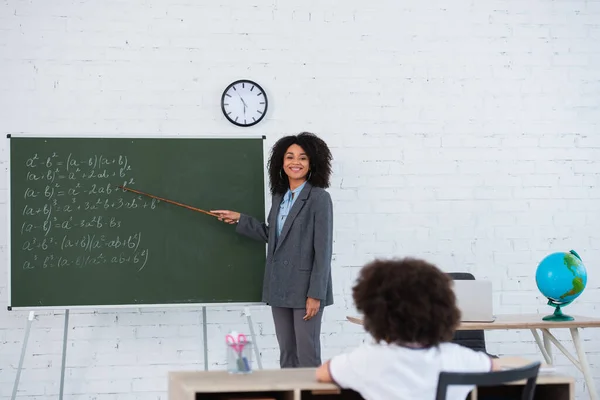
(319, 157)
(406, 301)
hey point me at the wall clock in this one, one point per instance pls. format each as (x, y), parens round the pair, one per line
(244, 103)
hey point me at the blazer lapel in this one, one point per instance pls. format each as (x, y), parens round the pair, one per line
(275, 204)
(298, 204)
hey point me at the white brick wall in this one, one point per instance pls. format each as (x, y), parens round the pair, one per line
(464, 132)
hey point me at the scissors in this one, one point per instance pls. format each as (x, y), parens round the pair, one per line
(237, 343)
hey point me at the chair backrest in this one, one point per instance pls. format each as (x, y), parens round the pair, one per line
(528, 372)
(475, 339)
(462, 276)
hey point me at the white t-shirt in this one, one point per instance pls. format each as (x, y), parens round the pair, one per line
(388, 371)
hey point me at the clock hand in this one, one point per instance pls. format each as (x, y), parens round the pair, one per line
(243, 102)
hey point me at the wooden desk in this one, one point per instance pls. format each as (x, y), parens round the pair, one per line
(281, 384)
(300, 384)
(533, 322)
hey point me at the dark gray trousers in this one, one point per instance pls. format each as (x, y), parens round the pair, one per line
(299, 340)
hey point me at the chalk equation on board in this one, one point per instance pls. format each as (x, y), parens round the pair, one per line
(66, 206)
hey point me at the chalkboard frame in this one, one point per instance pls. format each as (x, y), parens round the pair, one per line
(134, 137)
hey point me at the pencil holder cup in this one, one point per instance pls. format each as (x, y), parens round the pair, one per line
(239, 358)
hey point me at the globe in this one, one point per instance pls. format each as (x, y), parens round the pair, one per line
(561, 278)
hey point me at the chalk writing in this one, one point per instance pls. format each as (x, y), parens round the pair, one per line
(66, 213)
(137, 258)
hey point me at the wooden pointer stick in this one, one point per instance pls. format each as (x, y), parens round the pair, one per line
(170, 201)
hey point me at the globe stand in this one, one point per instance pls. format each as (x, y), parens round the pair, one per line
(558, 315)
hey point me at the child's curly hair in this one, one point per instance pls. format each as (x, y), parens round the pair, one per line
(406, 301)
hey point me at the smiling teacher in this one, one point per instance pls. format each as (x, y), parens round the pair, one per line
(299, 235)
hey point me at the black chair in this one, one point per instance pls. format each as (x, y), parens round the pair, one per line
(475, 339)
(494, 378)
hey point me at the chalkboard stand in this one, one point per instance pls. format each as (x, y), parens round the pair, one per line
(27, 329)
(64, 354)
(252, 336)
(64, 348)
(135, 149)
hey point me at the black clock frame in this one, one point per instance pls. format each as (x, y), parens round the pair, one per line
(252, 83)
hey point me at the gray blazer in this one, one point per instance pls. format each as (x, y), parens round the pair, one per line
(299, 261)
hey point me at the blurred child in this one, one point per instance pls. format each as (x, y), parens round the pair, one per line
(410, 310)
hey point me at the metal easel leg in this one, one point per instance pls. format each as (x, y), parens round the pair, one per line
(20, 367)
(64, 355)
(205, 338)
(253, 336)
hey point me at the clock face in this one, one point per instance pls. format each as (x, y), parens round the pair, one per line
(244, 103)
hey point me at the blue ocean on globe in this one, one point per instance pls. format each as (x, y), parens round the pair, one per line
(561, 277)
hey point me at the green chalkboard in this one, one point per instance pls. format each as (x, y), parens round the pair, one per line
(78, 240)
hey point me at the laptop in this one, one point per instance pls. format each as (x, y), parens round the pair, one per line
(474, 300)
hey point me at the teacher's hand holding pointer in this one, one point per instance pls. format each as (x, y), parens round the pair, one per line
(299, 236)
(229, 217)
